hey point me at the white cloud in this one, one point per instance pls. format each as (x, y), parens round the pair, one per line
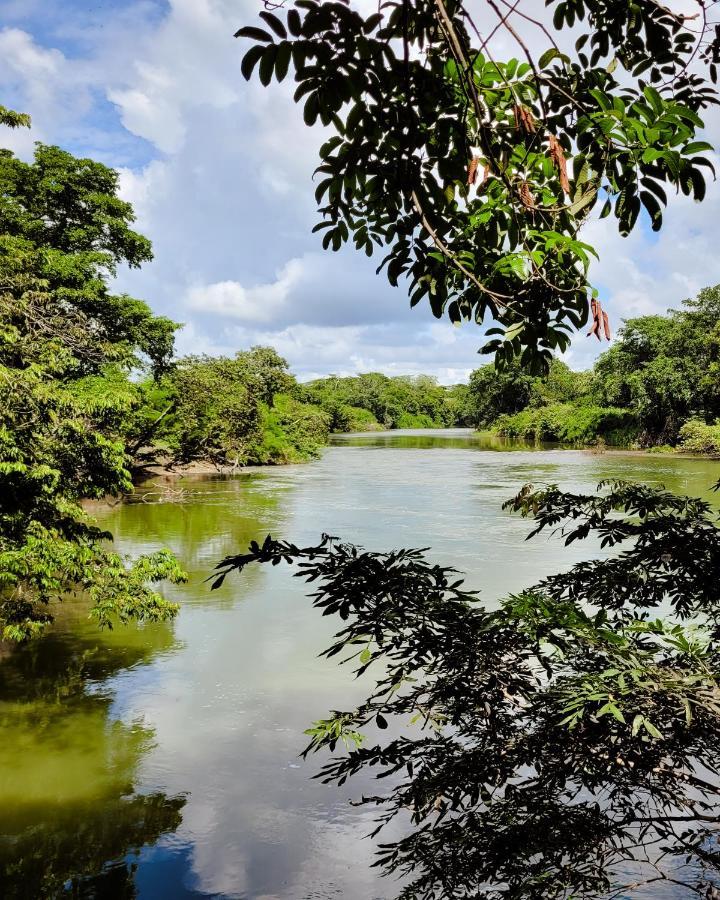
(262, 303)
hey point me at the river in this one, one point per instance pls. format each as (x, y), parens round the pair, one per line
(162, 761)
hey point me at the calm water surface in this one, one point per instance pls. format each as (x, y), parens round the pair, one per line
(162, 762)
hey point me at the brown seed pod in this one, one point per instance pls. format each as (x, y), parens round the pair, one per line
(524, 119)
(557, 155)
(526, 196)
(595, 311)
(606, 325)
(472, 170)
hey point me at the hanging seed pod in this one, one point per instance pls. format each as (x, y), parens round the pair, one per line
(595, 312)
(606, 325)
(472, 170)
(526, 196)
(482, 180)
(557, 155)
(524, 119)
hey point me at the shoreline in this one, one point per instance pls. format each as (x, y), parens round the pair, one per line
(205, 468)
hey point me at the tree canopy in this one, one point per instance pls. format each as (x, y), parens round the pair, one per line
(67, 344)
(475, 174)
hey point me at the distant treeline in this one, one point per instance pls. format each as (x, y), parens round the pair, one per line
(657, 385)
(374, 401)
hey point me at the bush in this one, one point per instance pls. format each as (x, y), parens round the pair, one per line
(291, 432)
(344, 418)
(416, 420)
(360, 419)
(698, 437)
(569, 424)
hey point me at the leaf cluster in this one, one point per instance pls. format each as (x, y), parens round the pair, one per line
(68, 347)
(475, 175)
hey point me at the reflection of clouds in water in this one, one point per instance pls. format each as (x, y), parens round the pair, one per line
(256, 821)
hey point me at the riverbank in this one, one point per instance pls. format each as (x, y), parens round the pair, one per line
(491, 440)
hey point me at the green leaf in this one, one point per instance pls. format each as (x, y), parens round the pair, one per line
(652, 730)
(255, 34)
(282, 61)
(697, 147)
(267, 64)
(275, 24)
(250, 60)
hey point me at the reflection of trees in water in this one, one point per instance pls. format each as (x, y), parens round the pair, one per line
(72, 844)
(201, 518)
(68, 769)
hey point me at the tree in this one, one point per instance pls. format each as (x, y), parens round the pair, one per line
(67, 346)
(266, 371)
(215, 415)
(399, 402)
(493, 393)
(233, 411)
(665, 368)
(565, 743)
(475, 174)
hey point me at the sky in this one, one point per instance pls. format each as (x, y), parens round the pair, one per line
(219, 172)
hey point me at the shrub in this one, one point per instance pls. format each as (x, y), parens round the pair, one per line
(291, 432)
(416, 420)
(569, 424)
(698, 437)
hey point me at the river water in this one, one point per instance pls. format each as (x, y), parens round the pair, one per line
(162, 761)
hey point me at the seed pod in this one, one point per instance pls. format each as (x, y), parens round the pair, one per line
(526, 197)
(606, 325)
(595, 312)
(472, 170)
(557, 155)
(524, 119)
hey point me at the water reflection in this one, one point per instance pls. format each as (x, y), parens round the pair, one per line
(69, 810)
(212, 708)
(441, 438)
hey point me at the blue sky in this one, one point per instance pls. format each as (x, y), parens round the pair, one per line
(219, 172)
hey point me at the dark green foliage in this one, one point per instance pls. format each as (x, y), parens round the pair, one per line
(666, 369)
(411, 96)
(236, 411)
(493, 393)
(560, 745)
(395, 402)
(67, 348)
